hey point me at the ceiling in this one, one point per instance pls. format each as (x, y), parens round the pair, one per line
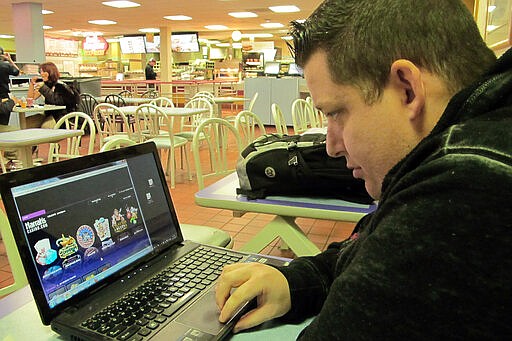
(70, 17)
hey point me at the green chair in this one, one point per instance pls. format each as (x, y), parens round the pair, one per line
(20, 280)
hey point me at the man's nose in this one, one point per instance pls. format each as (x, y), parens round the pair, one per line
(334, 143)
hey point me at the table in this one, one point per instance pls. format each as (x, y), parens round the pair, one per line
(227, 99)
(35, 110)
(19, 320)
(129, 100)
(181, 112)
(222, 194)
(24, 139)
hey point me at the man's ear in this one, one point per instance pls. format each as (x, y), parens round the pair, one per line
(406, 77)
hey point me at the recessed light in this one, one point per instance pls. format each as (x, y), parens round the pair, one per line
(284, 9)
(149, 30)
(216, 27)
(243, 14)
(177, 17)
(46, 27)
(272, 25)
(102, 22)
(287, 37)
(46, 11)
(223, 44)
(257, 35)
(6, 36)
(121, 4)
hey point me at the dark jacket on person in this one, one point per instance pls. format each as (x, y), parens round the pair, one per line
(150, 72)
(58, 94)
(6, 70)
(434, 261)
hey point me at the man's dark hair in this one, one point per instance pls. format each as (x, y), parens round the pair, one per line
(362, 38)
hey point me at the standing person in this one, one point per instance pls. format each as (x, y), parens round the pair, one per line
(7, 68)
(150, 72)
(422, 111)
(54, 92)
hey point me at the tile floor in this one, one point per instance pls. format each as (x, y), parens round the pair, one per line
(321, 232)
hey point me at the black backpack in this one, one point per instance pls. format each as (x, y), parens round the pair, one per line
(296, 165)
(71, 96)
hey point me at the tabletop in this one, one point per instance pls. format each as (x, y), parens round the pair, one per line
(129, 100)
(130, 110)
(21, 119)
(229, 99)
(34, 136)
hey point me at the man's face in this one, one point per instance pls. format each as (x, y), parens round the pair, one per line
(369, 136)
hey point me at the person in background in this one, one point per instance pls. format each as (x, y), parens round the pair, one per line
(150, 72)
(422, 111)
(7, 68)
(54, 92)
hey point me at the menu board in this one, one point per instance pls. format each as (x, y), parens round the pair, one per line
(61, 47)
(184, 42)
(154, 46)
(132, 44)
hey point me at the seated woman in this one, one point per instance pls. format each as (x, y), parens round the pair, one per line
(54, 91)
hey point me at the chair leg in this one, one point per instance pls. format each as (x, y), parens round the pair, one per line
(2, 161)
(185, 154)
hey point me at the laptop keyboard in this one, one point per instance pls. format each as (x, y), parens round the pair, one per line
(139, 313)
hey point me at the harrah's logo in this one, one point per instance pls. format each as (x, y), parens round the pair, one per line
(39, 224)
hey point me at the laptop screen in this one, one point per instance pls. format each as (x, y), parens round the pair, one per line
(83, 226)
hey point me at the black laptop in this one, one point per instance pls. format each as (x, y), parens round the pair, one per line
(104, 254)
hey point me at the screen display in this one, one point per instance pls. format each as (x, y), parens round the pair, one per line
(132, 44)
(154, 46)
(85, 226)
(272, 68)
(185, 42)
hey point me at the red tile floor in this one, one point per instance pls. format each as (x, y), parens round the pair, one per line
(321, 232)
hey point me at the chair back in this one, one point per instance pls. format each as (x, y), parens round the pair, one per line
(148, 119)
(117, 143)
(190, 123)
(87, 103)
(253, 100)
(318, 118)
(249, 125)
(302, 116)
(222, 143)
(20, 279)
(162, 102)
(115, 99)
(111, 121)
(151, 93)
(279, 120)
(207, 94)
(70, 147)
(126, 94)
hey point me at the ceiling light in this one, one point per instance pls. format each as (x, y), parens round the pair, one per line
(216, 27)
(121, 4)
(284, 9)
(243, 14)
(491, 8)
(257, 35)
(6, 36)
(149, 30)
(223, 44)
(272, 25)
(236, 35)
(46, 11)
(287, 37)
(177, 17)
(102, 22)
(46, 27)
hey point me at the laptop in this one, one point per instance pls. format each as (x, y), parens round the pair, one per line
(104, 254)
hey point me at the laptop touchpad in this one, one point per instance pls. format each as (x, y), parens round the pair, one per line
(203, 315)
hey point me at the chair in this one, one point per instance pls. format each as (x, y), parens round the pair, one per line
(87, 103)
(149, 117)
(302, 116)
(20, 279)
(150, 94)
(279, 120)
(108, 120)
(162, 102)
(317, 117)
(197, 233)
(126, 94)
(115, 99)
(189, 124)
(70, 147)
(117, 143)
(219, 135)
(247, 123)
(204, 94)
(253, 100)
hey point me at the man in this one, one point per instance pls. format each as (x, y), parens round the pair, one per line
(7, 68)
(150, 73)
(423, 113)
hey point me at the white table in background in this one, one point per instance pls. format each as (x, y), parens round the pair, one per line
(130, 110)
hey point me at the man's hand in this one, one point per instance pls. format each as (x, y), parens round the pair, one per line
(251, 280)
